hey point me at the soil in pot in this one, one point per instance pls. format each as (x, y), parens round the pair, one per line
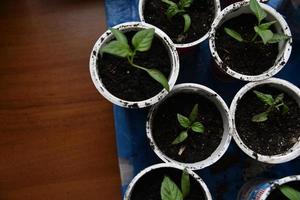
(148, 187)
(197, 146)
(202, 13)
(248, 58)
(129, 83)
(274, 136)
(276, 194)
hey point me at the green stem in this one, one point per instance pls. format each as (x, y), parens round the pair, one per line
(130, 60)
(270, 109)
(279, 105)
(255, 36)
(132, 56)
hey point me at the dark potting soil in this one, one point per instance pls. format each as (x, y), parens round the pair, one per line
(198, 146)
(202, 13)
(248, 58)
(148, 187)
(274, 136)
(277, 195)
(129, 83)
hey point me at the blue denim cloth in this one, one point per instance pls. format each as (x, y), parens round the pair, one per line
(133, 149)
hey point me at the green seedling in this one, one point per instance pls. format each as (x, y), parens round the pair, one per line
(271, 103)
(261, 29)
(170, 191)
(179, 9)
(289, 192)
(141, 42)
(188, 123)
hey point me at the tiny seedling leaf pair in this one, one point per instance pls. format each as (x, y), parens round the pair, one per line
(189, 123)
(289, 192)
(271, 103)
(179, 9)
(141, 42)
(261, 29)
(170, 191)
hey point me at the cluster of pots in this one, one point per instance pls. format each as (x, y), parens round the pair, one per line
(221, 123)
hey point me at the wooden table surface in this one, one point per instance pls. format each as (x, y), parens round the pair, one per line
(56, 131)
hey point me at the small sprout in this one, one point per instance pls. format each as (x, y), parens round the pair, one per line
(170, 191)
(179, 9)
(189, 123)
(289, 192)
(141, 42)
(261, 29)
(271, 103)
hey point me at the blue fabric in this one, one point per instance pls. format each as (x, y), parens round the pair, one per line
(224, 178)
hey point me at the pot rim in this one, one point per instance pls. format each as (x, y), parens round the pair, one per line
(165, 165)
(279, 63)
(102, 40)
(271, 159)
(190, 44)
(227, 126)
(279, 182)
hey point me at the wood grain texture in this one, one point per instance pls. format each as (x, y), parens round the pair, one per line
(56, 131)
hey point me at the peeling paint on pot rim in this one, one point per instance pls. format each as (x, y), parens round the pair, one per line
(106, 37)
(227, 126)
(260, 190)
(288, 88)
(130, 187)
(285, 47)
(186, 45)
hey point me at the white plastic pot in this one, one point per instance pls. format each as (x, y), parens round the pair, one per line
(286, 87)
(186, 45)
(107, 37)
(260, 190)
(227, 125)
(285, 47)
(140, 175)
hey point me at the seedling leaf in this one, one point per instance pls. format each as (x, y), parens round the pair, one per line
(198, 127)
(266, 25)
(193, 115)
(185, 183)
(183, 121)
(279, 98)
(116, 48)
(265, 98)
(169, 190)
(290, 192)
(257, 10)
(159, 77)
(285, 109)
(266, 35)
(187, 22)
(261, 117)
(173, 10)
(277, 37)
(142, 40)
(185, 3)
(119, 36)
(171, 3)
(181, 137)
(234, 34)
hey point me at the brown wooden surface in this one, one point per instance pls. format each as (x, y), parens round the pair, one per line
(56, 132)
